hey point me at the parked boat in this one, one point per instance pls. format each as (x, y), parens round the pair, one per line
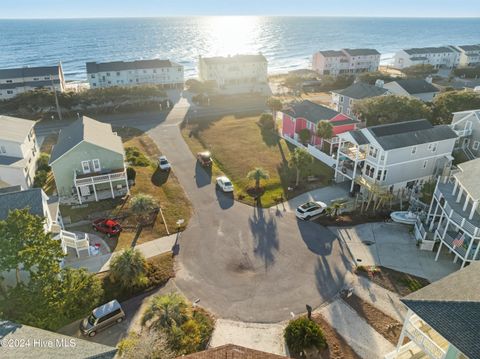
(405, 217)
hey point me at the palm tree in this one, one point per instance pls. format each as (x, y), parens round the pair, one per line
(336, 207)
(300, 159)
(324, 131)
(166, 311)
(142, 204)
(129, 269)
(275, 105)
(258, 174)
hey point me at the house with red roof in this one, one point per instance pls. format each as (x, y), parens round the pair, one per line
(307, 114)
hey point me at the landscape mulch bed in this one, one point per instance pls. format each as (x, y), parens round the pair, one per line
(349, 219)
(337, 348)
(388, 327)
(395, 281)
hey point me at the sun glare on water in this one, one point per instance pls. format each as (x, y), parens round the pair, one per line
(230, 35)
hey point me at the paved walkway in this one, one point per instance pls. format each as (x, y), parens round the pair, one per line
(101, 263)
(366, 342)
(264, 337)
(393, 246)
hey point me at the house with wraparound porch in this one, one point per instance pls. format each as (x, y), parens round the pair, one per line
(88, 162)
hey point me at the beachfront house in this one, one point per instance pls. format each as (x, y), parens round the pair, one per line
(132, 73)
(19, 80)
(306, 115)
(344, 100)
(469, 55)
(438, 57)
(345, 61)
(399, 156)
(443, 319)
(466, 124)
(88, 162)
(454, 218)
(36, 201)
(420, 89)
(18, 151)
(235, 74)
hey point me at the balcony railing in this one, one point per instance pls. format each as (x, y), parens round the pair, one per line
(352, 152)
(96, 178)
(464, 132)
(424, 341)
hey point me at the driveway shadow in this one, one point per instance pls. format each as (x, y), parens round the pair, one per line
(317, 238)
(265, 234)
(203, 175)
(225, 200)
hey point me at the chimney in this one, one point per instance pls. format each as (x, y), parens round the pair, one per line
(379, 83)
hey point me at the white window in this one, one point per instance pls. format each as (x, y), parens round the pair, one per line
(96, 165)
(340, 108)
(414, 150)
(348, 111)
(85, 167)
(425, 163)
(434, 147)
(476, 145)
(350, 102)
(3, 149)
(10, 92)
(341, 98)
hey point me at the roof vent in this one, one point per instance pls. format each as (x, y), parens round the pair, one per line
(379, 83)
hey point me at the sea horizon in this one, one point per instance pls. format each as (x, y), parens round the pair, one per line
(288, 42)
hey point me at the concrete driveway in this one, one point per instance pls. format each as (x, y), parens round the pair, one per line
(246, 263)
(393, 246)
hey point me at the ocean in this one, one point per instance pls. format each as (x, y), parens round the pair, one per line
(287, 42)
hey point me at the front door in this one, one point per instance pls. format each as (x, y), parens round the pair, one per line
(466, 142)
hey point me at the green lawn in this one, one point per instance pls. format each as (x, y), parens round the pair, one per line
(162, 186)
(238, 145)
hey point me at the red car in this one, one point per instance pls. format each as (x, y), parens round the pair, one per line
(108, 226)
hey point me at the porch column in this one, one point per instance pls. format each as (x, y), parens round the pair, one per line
(476, 250)
(338, 159)
(354, 169)
(95, 192)
(434, 216)
(126, 182)
(468, 250)
(459, 197)
(455, 186)
(465, 205)
(439, 249)
(78, 194)
(474, 208)
(402, 334)
(111, 187)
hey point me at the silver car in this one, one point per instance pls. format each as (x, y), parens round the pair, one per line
(102, 317)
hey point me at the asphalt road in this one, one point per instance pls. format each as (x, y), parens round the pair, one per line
(246, 263)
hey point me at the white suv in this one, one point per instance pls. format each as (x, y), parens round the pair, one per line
(163, 163)
(224, 184)
(310, 209)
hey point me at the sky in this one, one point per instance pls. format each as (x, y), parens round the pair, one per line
(154, 8)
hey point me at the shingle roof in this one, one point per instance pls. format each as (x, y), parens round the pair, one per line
(310, 111)
(234, 59)
(93, 67)
(428, 50)
(451, 306)
(52, 347)
(231, 351)
(332, 53)
(29, 72)
(360, 90)
(359, 137)
(15, 129)
(18, 199)
(88, 130)
(468, 177)
(469, 47)
(410, 133)
(361, 52)
(416, 86)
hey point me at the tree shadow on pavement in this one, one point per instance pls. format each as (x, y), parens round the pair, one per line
(265, 234)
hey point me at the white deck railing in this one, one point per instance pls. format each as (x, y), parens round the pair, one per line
(100, 178)
(424, 341)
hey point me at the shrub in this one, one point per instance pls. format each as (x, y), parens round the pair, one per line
(303, 333)
(411, 283)
(42, 162)
(40, 179)
(147, 344)
(136, 158)
(266, 121)
(305, 135)
(159, 269)
(469, 72)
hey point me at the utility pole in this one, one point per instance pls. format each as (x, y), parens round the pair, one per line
(56, 99)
